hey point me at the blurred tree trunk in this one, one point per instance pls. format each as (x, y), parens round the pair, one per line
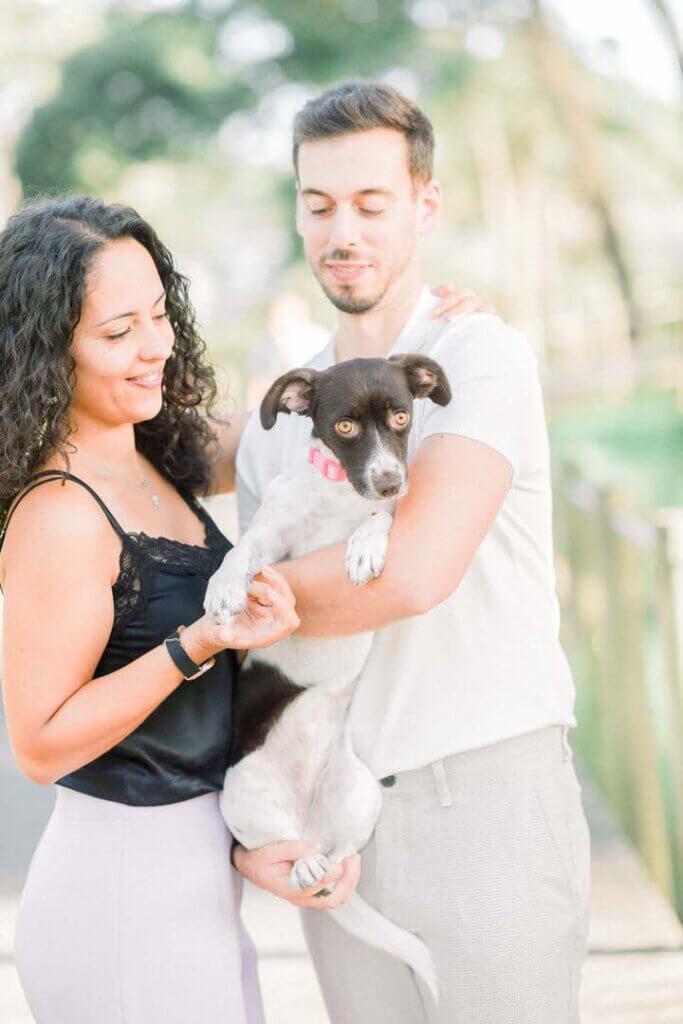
(574, 109)
(668, 23)
(511, 199)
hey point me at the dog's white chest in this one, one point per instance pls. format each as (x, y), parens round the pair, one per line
(330, 514)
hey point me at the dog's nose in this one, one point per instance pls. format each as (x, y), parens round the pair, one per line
(387, 483)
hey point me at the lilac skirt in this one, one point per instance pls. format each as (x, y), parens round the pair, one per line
(130, 915)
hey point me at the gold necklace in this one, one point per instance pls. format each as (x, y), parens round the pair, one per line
(145, 485)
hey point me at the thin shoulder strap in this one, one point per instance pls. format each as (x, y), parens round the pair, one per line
(54, 474)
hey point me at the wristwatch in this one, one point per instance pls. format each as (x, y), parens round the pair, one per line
(182, 660)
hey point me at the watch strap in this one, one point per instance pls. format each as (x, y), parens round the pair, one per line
(181, 659)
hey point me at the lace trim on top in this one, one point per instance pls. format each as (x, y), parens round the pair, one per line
(142, 556)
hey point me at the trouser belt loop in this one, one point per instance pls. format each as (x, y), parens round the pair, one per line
(441, 782)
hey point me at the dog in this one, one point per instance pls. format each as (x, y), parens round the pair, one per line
(293, 772)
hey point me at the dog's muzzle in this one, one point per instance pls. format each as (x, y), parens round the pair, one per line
(387, 483)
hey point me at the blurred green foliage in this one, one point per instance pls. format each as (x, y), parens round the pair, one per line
(185, 111)
(154, 83)
(331, 39)
(147, 86)
(639, 441)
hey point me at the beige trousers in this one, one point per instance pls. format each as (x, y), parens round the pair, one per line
(485, 856)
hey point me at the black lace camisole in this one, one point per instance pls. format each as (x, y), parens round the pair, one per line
(181, 750)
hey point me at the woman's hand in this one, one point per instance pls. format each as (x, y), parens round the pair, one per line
(269, 616)
(455, 302)
(269, 868)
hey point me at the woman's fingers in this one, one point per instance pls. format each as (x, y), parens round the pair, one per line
(445, 288)
(282, 605)
(277, 581)
(273, 622)
(283, 608)
(260, 592)
(269, 614)
(256, 611)
(457, 302)
(453, 300)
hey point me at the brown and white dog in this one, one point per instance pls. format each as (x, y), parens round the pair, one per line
(294, 774)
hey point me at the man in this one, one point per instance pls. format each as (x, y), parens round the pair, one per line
(463, 708)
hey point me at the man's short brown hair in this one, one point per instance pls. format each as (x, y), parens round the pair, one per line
(361, 106)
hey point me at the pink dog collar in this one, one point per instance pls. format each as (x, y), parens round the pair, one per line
(330, 469)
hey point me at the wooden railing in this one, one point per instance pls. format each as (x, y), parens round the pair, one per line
(620, 580)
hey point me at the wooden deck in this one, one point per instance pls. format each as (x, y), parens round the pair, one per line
(634, 973)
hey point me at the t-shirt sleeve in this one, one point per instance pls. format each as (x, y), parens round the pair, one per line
(249, 470)
(495, 388)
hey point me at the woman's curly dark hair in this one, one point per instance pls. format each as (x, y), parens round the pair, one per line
(46, 251)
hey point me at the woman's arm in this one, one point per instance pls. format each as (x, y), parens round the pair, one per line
(58, 614)
(228, 434)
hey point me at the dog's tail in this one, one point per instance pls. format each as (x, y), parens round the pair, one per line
(366, 923)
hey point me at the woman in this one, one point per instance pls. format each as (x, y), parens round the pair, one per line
(116, 685)
(131, 908)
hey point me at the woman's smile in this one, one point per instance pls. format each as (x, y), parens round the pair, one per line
(150, 380)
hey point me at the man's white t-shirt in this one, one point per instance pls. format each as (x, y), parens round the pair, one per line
(485, 664)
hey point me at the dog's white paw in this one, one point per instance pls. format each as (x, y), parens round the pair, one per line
(226, 594)
(366, 551)
(308, 870)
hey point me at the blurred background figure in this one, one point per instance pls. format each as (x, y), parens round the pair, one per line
(559, 147)
(291, 339)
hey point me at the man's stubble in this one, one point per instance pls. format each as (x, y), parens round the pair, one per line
(345, 301)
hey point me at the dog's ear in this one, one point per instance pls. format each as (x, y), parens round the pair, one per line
(290, 393)
(425, 377)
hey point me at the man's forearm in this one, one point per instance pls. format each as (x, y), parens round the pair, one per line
(328, 604)
(457, 486)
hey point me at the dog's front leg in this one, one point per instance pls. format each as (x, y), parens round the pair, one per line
(366, 549)
(267, 540)
(226, 593)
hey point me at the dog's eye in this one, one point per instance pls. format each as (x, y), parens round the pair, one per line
(346, 428)
(400, 419)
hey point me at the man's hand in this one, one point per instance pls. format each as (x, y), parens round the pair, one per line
(269, 868)
(456, 302)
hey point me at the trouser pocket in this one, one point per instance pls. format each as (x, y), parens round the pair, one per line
(558, 796)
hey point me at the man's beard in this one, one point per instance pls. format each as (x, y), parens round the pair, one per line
(348, 303)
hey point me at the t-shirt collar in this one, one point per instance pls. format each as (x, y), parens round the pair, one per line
(405, 342)
(408, 339)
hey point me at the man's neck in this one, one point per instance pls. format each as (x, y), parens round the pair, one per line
(372, 334)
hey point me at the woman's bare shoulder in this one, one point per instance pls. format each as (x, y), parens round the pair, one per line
(58, 516)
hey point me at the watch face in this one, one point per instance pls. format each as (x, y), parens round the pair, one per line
(205, 666)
